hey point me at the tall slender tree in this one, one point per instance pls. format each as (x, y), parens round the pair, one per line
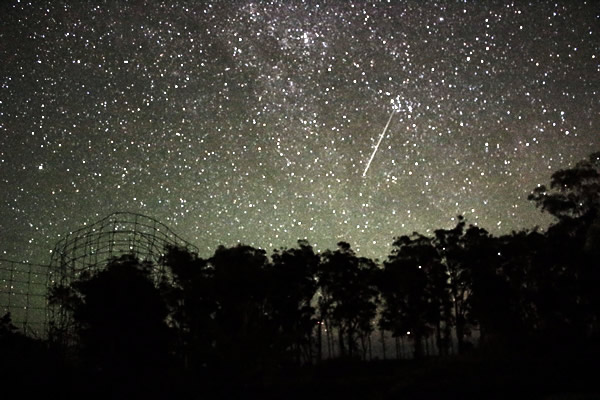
(348, 296)
(413, 286)
(192, 302)
(292, 289)
(574, 199)
(450, 247)
(246, 334)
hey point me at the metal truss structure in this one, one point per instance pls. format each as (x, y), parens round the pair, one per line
(24, 287)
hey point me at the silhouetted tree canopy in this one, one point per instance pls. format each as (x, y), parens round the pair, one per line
(120, 316)
(6, 326)
(574, 193)
(348, 295)
(450, 244)
(239, 314)
(414, 286)
(293, 286)
(192, 303)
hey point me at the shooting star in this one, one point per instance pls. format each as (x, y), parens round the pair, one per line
(379, 142)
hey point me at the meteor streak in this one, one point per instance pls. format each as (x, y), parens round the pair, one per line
(379, 142)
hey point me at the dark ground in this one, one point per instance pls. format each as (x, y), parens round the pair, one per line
(571, 375)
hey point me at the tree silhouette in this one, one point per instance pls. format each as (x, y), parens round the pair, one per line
(25, 359)
(292, 288)
(120, 318)
(192, 304)
(569, 304)
(450, 247)
(493, 303)
(439, 296)
(574, 193)
(245, 332)
(6, 326)
(413, 284)
(348, 296)
(239, 318)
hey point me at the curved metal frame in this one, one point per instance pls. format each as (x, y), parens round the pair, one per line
(24, 287)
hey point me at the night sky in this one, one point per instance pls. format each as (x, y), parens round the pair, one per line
(255, 121)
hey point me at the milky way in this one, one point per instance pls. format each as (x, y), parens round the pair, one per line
(254, 121)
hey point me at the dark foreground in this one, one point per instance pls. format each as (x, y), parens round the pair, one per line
(477, 376)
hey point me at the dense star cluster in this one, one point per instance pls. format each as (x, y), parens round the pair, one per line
(254, 121)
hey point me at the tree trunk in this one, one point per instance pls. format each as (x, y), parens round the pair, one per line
(320, 341)
(298, 353)
(459, 327)
(363, 348)
(431, 345)
(438, 337)
(418, 341)
(329, 340)
(350, 344)
(341, 342)
(310, 354)
(383, 343)
(482, 335)
(448, 346)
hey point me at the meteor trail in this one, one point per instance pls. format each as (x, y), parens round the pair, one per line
(379, 142)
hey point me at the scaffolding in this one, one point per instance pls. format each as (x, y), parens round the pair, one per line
(24, 287)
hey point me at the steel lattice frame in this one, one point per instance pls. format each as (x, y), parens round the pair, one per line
(23, 292)
(120, 233)
(24, 287)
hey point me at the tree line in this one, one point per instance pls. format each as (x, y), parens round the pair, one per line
(243, 312)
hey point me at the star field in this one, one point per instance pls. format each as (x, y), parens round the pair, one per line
(254, 121)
